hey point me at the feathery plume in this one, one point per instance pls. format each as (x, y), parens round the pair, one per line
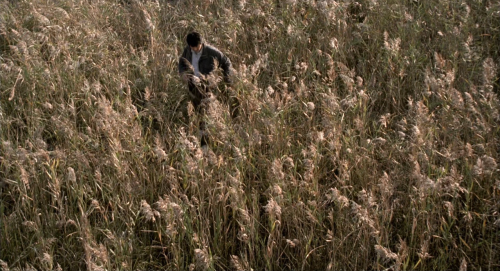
(463, 265)
(4, 266)
(485, 165)
(273, 209)
(293, 243)
(277, 170)
(334, 195)
(236, 263)
(385, 185)
(147, 212)
(424, 254)
(310, 106)
(385, 254)
(202, 260)
(71, 176)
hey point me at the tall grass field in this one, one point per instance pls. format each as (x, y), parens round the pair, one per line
(368, 136)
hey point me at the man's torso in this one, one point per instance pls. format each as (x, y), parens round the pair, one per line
(205, 60)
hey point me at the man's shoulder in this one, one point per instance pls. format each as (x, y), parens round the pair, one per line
(210, 49)
(209, 46)
(186, 51)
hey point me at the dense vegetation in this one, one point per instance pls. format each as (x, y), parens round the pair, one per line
(368, 136)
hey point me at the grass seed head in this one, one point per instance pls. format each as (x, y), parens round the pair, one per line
(385, 254)
(147, 212)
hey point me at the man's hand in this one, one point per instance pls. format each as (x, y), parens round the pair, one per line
(195, 80)
(190, 79)
(185, 77)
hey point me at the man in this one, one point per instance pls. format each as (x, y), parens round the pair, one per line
(196, 64)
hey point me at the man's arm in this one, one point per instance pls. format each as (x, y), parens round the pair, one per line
(224, 63)
(185, 68)
(183, 62)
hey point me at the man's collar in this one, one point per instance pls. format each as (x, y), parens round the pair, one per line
(200, 52)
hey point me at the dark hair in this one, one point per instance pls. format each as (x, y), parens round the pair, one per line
(193, 39)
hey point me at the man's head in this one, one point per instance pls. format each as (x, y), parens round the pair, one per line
(194, 41)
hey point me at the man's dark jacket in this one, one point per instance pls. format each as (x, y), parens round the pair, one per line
(207, 61)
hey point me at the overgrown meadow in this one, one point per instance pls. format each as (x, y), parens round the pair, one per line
(368, 136)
